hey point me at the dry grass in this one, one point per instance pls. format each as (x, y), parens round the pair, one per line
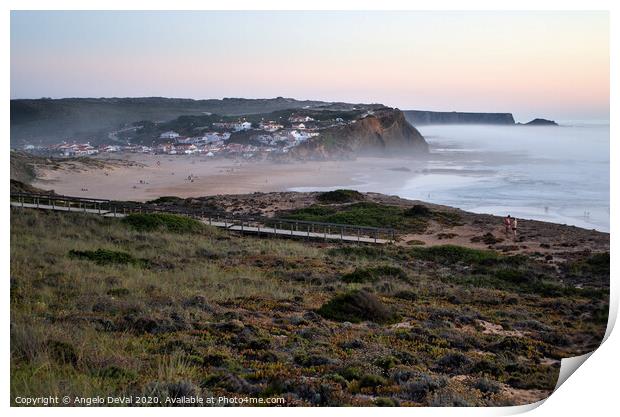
(211, 312)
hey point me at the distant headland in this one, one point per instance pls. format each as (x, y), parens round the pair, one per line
(541, 122)
(423, 117)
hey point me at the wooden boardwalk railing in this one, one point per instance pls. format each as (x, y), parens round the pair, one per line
(266, 226)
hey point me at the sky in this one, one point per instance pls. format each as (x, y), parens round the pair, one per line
(533, 64)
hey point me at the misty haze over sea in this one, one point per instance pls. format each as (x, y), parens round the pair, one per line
(556, 174)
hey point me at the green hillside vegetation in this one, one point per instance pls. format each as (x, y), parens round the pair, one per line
(102, 306)
(149, 222)
(46, 121)
(192, 125)
(340, 197)
(370, 213)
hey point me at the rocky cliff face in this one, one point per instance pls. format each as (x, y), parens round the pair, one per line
(541, 122)
(386, 132)
(422, 117)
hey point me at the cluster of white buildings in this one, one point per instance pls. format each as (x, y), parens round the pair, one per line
(270, 126)
(234, 126)
(300, 119)
(209, 137)
(270, 136)
(216, 143)
(86, 149)
(285, 139)
(74, 149)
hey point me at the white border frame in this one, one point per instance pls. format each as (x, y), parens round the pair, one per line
(593, 388)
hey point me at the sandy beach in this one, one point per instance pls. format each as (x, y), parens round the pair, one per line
(193, 176)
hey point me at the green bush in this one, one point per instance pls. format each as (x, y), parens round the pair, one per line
(370, 252)
(356, 306)
(149, 222)
(340, 196)
(386, 362)
(448, 254)
(597, 264)
(540, 377)
(360, 214)
(453, 363)
(418, 210)
(351, 373)
(423, 384)
(514, 275)
(115, 372)
(369, 214)
(386, 402)
(62, 352)
(166, 199)
(107, 257)
(371, 381)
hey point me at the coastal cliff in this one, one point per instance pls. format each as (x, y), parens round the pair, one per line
(422, 117)
(541, 122)
(383, 132)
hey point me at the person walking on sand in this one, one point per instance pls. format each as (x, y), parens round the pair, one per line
(508, 223)
(514, 227)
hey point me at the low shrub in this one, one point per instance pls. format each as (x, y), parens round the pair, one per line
(423, 384)
(310, 360)
(418, 210)
(166, 199)
(448, 254)
(386, 362)
(371, 381)
(149, 222)
(453, 363)
(487, 238)
(370, 252)
(541, 377)
(107, 257)
(514, 275)
(62, 352)
(356, 306)
(486, 386)
(118, 292)
(407, 295)
(386, 402)
(351, 373)
(340, 196)
(360, 214)
(596, 264)
(117, 373)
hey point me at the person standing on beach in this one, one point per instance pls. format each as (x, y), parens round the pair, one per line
(508, 223)
(514, 227)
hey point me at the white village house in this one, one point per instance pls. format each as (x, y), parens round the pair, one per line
(242, 126)
(297, 119)
(169, 135)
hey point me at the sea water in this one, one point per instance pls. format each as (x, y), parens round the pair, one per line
(557, 174)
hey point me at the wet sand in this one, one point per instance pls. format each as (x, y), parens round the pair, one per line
(195, 176)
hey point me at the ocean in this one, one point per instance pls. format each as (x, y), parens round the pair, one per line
(555, 174)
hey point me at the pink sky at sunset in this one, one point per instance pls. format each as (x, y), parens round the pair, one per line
(548, 64)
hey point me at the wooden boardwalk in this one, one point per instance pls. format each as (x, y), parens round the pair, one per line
(284, 228)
